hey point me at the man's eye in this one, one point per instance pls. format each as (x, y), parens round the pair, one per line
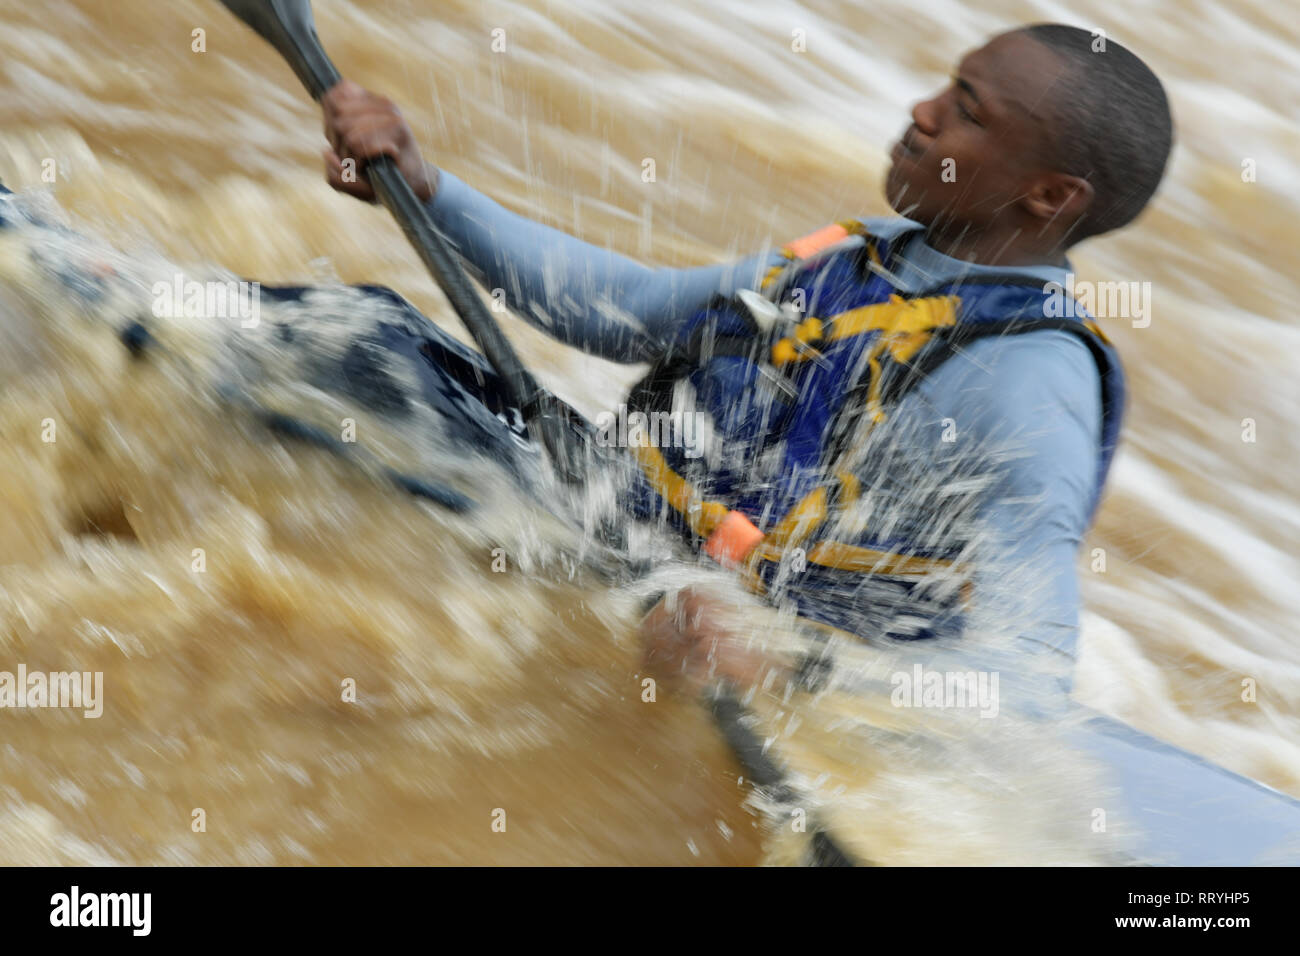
(966, 114)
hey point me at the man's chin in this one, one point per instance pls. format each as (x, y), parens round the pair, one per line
(896, 189)
(902, 196)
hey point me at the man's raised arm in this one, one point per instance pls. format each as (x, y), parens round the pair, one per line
(583, 295)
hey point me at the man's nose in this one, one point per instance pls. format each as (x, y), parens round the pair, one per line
(926, 116)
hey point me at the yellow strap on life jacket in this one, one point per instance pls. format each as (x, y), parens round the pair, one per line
(730, 538)
(803, 520)
(795, 348)
(850, 487)
(799, 522)
(906, 323)
(849, 557)
(770, 276)
(906, 326)
(701, 516)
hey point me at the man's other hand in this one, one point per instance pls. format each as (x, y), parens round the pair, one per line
(690, 637)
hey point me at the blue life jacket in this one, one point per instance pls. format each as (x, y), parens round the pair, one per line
(788, 380)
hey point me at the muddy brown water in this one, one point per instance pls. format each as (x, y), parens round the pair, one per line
(480, 692)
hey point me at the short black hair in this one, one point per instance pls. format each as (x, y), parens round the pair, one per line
(1111, 124)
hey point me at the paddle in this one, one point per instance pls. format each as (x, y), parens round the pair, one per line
(289, 27)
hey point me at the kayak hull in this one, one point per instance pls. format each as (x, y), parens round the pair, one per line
(1182, 810)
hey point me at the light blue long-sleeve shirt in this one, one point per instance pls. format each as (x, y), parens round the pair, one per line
(1039, 392)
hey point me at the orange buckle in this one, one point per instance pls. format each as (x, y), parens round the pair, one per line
(815, 242)
(732, 540)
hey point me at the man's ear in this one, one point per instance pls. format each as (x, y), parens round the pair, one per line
(1059, 197)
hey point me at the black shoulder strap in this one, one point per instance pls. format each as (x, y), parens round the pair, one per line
(679, 360)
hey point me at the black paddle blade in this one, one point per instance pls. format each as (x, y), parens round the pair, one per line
(288, 26)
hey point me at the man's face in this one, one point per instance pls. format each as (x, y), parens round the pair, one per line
(974, 149)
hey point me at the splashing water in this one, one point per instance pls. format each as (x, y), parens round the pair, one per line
(517, 695)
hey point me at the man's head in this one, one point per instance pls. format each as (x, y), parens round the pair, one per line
(1046, 136)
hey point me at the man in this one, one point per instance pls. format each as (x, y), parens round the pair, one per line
(877, 356)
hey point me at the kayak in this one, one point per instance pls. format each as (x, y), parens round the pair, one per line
(1184, 810)
(1180, 808)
